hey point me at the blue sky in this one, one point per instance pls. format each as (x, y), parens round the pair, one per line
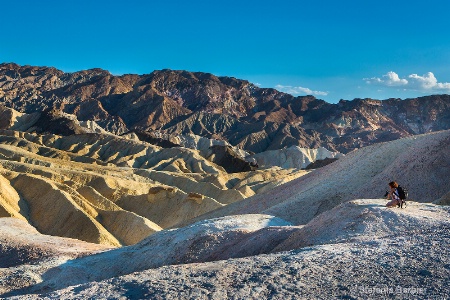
(332, 49)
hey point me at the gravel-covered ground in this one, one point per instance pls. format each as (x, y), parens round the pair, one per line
(415, 266)
(408, 263)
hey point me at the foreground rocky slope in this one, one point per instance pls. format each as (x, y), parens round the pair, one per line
(22, 244)
(350, 251)
(249, 117)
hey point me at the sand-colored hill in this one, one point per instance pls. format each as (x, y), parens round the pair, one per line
(12, 119)
(420, 163)
(105, 189)
(292, 157)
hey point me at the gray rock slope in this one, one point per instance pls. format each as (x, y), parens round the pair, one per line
(360, 249)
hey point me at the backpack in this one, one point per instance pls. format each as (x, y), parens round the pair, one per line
(402, 193)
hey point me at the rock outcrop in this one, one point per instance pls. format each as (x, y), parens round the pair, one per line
(231, 160)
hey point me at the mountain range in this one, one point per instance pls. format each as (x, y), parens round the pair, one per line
(168, 102)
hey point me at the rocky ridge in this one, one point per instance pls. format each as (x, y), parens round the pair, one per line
(251, 118)
(231, 158)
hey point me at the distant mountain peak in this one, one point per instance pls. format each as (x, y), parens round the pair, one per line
(258, 118)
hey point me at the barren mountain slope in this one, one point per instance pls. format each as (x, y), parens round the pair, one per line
(293, 157)
(238, 111)
(23, 250)
(421, 163)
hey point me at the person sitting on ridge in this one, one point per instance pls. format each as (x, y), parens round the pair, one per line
(393, 195)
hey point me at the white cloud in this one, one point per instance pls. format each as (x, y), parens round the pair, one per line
(295, 90)
(428, 82)
(424, 83)
(390, 79)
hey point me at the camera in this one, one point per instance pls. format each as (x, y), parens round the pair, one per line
(387, 193)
